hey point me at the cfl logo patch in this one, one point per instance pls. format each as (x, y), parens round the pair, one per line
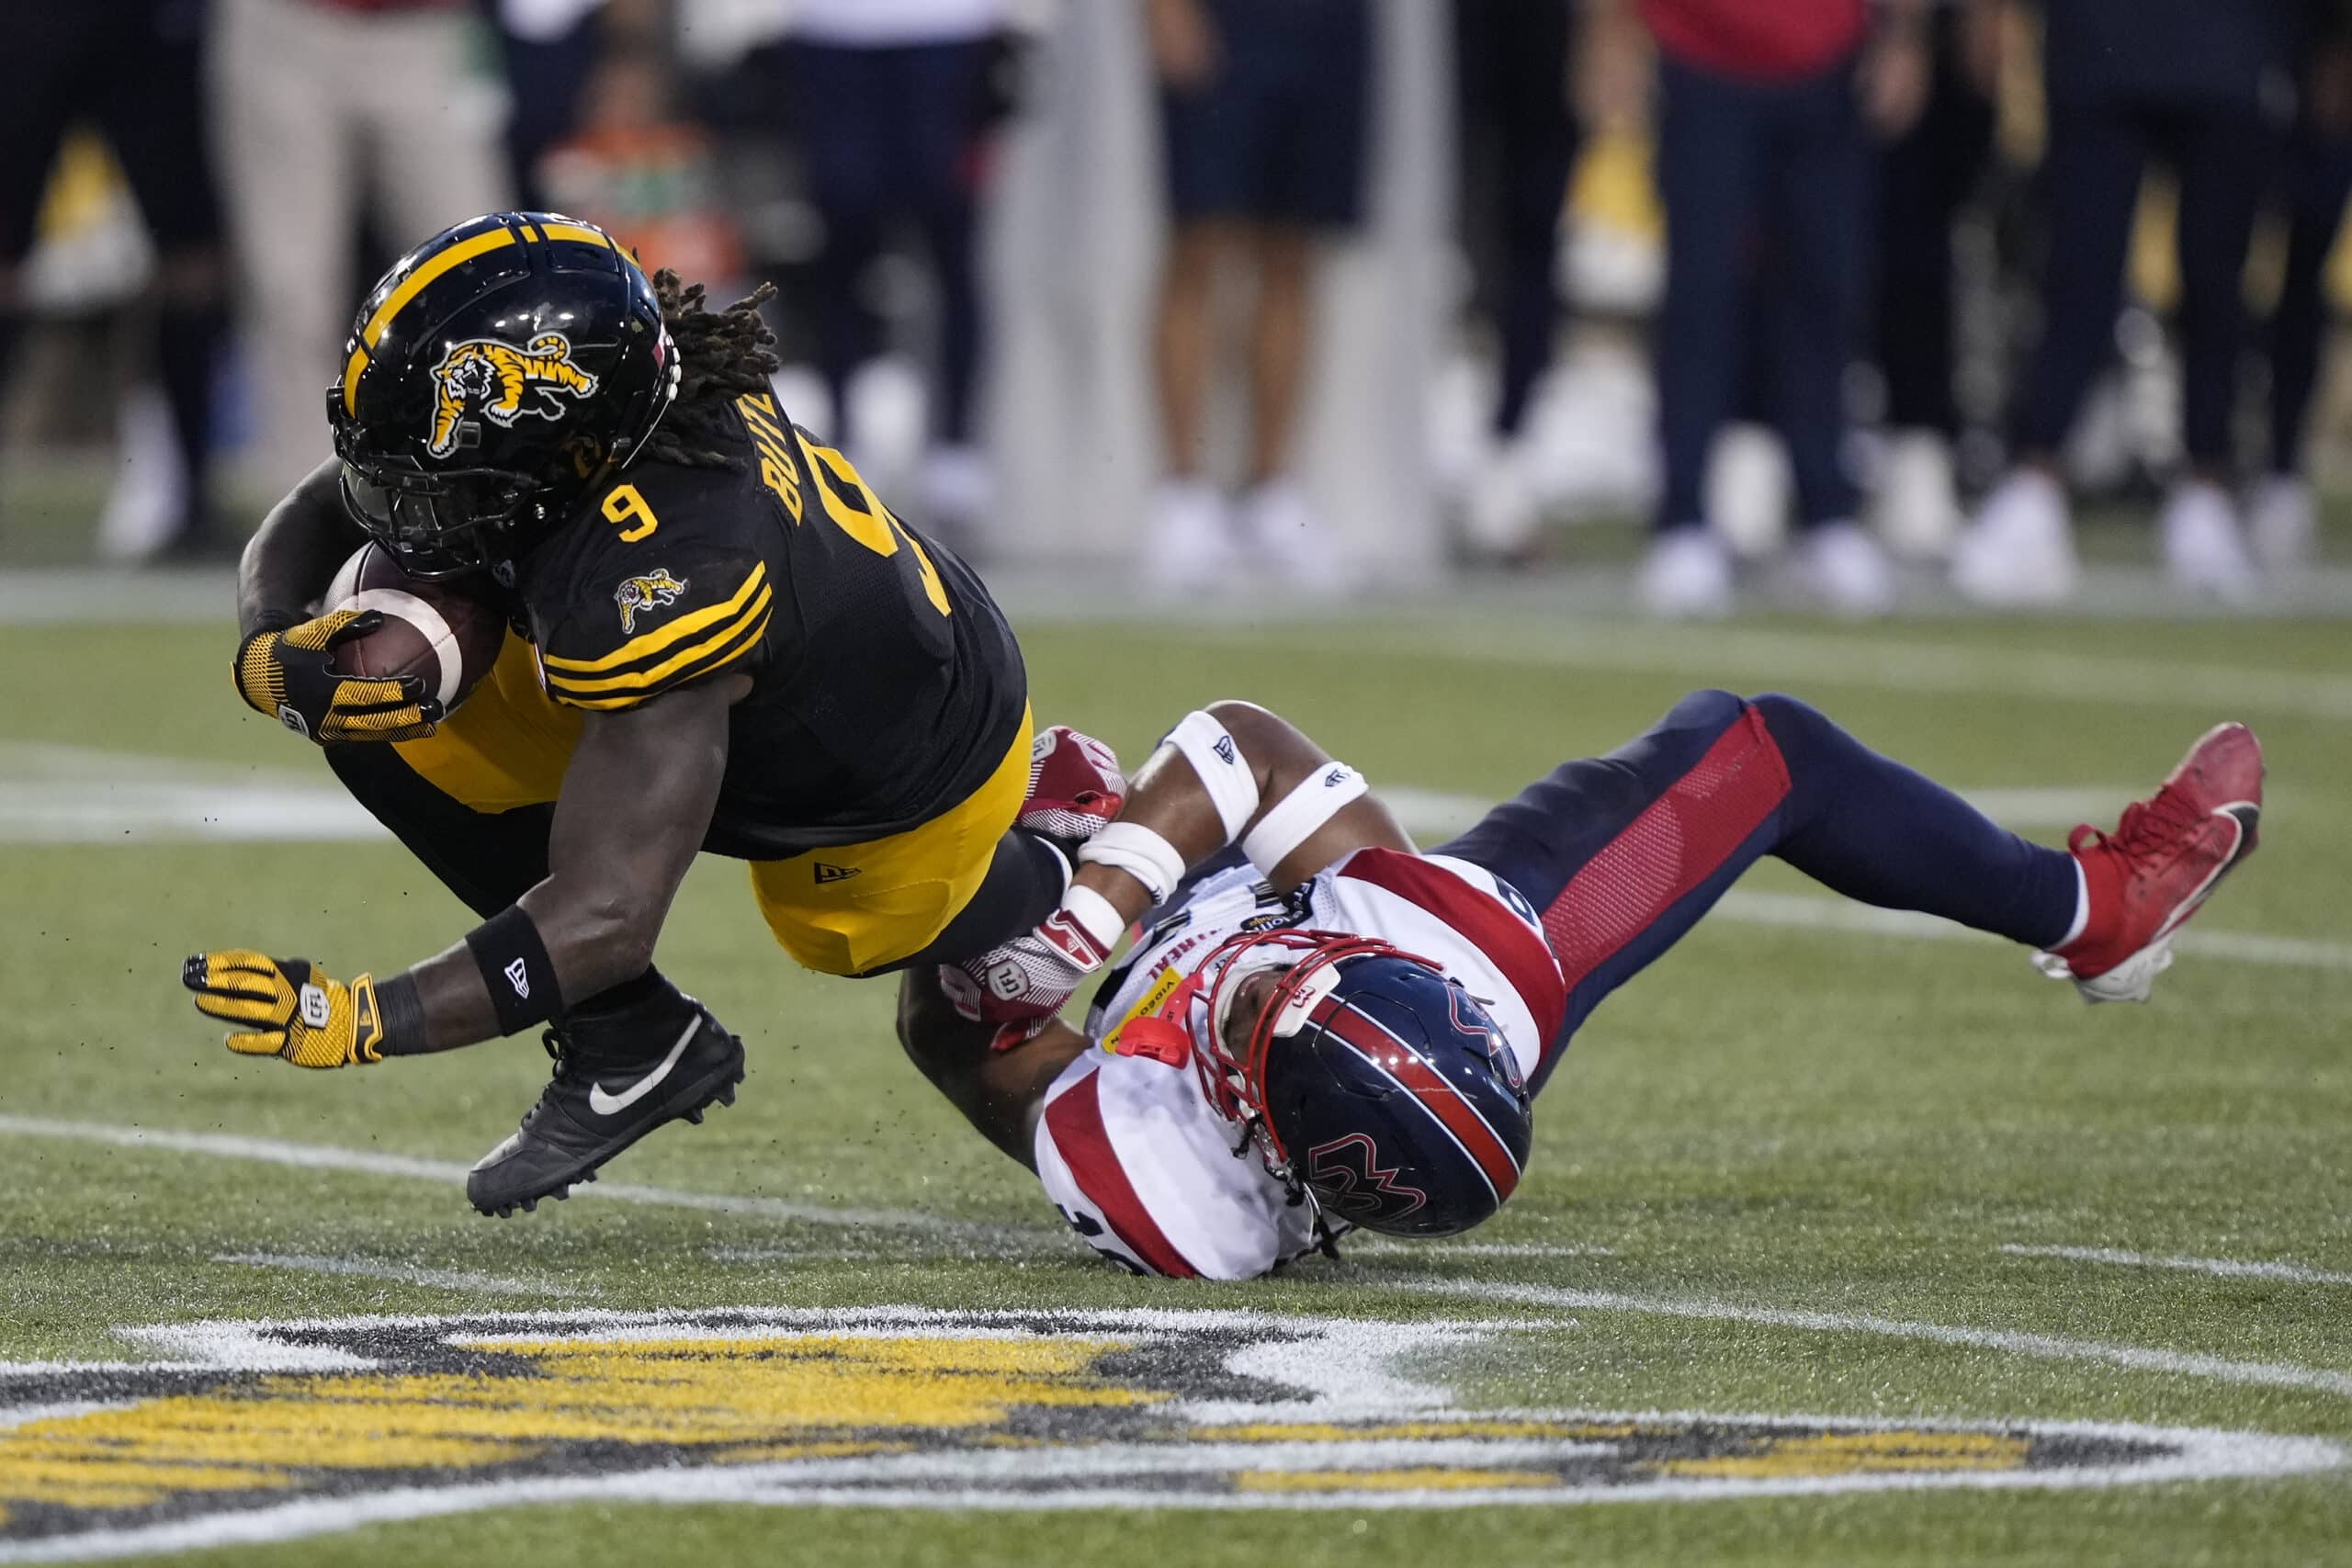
(315, 1008)
(1006, 981)
(518, 975)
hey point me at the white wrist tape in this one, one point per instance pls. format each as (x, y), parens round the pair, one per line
(1139, 852)
(1293, 819)
(1094, 915)
(1223, 772)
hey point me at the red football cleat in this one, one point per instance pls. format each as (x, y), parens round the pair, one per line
(1075, 786)
(2161, 861)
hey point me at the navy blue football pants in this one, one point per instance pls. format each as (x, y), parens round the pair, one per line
(2315, 181)
(1767, 191)
(2219, 154)
(1620, 855)
(893, 131)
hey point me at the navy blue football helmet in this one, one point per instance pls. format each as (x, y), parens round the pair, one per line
(494, 377)
(1372, 1081)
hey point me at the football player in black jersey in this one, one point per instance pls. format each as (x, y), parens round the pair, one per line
(723, 640)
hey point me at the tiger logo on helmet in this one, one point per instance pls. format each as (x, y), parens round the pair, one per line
(493, 379)
(502, 383)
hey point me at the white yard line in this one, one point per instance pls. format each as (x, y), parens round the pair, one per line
(1757, 660)
(143, 814)
(78, 794)
(2058, 805)
(399, 1274)
(54, 793)
(1807, 912)
(1586, 597)
(1388, 1246)
(322, 1156)
(1431, 813)
(2221, 1268)
(51, 794)
(2040, 1346)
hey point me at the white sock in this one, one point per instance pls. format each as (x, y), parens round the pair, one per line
(2082, 907)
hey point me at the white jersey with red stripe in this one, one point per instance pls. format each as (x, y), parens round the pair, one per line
(1131, 1150)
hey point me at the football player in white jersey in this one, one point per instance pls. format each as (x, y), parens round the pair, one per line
(1319, 1027)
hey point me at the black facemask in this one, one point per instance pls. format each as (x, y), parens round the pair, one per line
(439, 525)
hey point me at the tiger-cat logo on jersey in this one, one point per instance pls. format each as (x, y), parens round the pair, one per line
(501, 383)
(656, 589)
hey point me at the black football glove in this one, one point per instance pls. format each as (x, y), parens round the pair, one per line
(287, 1008)
(289, 676)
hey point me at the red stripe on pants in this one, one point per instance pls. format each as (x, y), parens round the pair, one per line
(1680, 838)
(1075, 1119)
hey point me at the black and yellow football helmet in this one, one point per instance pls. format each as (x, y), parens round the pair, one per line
(492, 377)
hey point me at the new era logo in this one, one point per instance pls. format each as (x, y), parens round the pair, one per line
(518, 975)
(836, 872)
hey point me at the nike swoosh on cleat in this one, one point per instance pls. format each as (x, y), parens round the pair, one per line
(605, 1104)
(2241, 815)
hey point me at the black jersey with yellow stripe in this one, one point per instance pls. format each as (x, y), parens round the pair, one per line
(886, 685)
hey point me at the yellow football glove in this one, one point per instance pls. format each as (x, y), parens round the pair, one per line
(291, 1010)
(289, 675)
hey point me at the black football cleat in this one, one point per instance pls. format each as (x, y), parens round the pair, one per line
(604, 1097)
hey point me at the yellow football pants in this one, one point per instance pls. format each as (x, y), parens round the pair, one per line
(843, 910)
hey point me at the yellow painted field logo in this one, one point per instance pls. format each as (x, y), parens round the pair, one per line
(249, 1428)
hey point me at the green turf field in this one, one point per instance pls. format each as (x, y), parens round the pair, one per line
(1934, 1262)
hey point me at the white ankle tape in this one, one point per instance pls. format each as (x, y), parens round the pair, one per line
(1139, 852)
(2082, 906)
(1223, 771)
(1294, 817)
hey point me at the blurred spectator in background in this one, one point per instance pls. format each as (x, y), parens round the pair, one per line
(1513, 70)
(553, 50)
(2315, 180)
(320, 105)
(1926, 177)
(2197, 83)
(622, 155)
(131, 66)
(1764, 168)
(894, 100)
(1263, 102)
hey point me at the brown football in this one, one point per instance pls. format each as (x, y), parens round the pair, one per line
(446, 632)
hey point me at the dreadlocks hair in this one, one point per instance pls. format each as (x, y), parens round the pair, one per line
(721, 355)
